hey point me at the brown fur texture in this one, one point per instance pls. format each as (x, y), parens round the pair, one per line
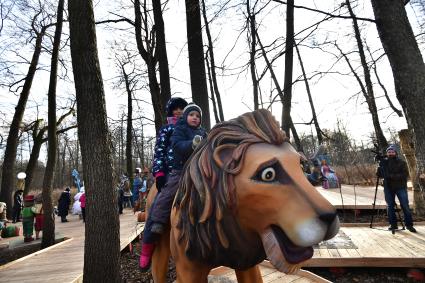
(206, 199)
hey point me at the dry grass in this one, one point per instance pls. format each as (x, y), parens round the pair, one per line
(360, 174)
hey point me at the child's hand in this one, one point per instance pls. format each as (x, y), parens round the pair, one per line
(196, 141)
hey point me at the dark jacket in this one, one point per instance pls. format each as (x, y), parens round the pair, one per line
(63, 203)
(163, 155)
(395, 173)
(181, 141)
(18, 201)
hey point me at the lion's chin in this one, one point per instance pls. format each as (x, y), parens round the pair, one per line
(282, 253)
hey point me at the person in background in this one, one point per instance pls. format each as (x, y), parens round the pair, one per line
(395, 173)
(83, 205)
(28, 218)
(315, 177)
(63, 204)
(146, 183)
(120, 195)
(37, 209)
(18, 202)
(185, 138)
(330, 179)
(137, 185)
(76, 206)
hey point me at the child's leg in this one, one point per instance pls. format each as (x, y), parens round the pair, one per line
(148, 241)
(28, 226)
(37, 234)
(165, 199)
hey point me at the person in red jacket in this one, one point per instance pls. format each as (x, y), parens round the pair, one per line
(83, 205)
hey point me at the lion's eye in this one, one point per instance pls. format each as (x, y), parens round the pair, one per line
(268, 174)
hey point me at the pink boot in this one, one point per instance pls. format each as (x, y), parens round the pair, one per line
(146, 256)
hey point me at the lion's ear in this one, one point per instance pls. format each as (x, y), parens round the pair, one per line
(223, 153)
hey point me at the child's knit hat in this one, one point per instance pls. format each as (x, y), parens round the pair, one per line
(174, 103)
(191, 107)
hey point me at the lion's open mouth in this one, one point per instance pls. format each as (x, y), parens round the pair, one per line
(282, 252)
(293, 254)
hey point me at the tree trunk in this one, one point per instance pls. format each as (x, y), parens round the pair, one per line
(214, 104)
(129, 136)
(32, 162)
(289, 60)
(161, 50)
(150, 60)
(310, 99)
(216, 92)
(369, 94)
(297, 140)
(198, 80)
(252, 30)
(102, 240)
(8, 170)
(408, 67)
(49, 218)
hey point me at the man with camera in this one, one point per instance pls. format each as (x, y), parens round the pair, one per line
(395, 173)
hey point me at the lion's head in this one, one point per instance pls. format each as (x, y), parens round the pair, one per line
(243, 196)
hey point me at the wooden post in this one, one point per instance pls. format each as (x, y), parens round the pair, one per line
(407, 147)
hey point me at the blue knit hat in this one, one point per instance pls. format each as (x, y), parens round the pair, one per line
(391, 147)
(189, 108)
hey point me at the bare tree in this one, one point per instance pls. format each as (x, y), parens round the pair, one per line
(7, 181)
(310, 98)
(215, 94)
(198, 80)
(102, 250)
(49, 220)
(129, 79)
(289, 60)
(38, 131)
(161, 50)
(367, 90)
(252, 51)
(378, 79)
(146, 45)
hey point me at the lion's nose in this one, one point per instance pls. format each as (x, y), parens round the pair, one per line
(328, 217)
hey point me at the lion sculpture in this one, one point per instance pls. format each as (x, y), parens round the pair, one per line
(243, 198)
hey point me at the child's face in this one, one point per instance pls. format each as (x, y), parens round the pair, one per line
(194, 118)
(178, 112)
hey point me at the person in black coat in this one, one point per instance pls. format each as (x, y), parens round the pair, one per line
(18, 204)
(394, 171)
(63, 204)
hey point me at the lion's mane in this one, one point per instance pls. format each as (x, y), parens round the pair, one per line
(206, 197)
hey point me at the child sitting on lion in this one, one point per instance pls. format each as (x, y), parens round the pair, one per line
(186, 137)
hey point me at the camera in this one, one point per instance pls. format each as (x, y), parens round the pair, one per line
(378, 155)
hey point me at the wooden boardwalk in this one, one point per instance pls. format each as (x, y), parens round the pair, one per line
(372, 247)
(64, 261)
(357, 197)
(269, 274)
